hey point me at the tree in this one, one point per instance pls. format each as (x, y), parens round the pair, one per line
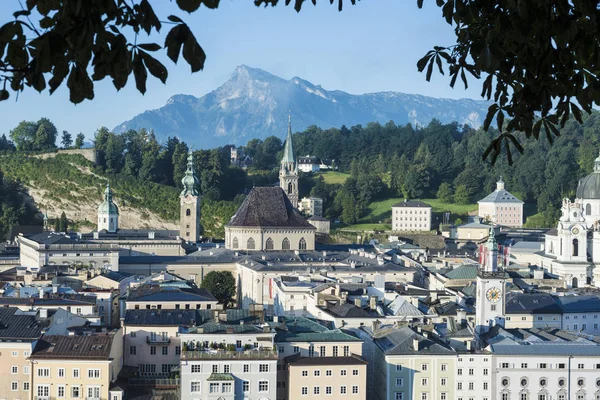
(444, 193)
(66, 140)
(79, 140)
(63, 224)
(461, 195)
(24, 135)
(220, 284)
(46, 134)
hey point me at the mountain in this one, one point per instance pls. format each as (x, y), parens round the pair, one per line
(255, 104)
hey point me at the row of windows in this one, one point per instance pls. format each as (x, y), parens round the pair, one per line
(227, 387)
(15, 369)
(470, 386)
(543, 382)
(197, 368)
(410, 219)
(546, 396)
(547, 366)
(16, 354)
(323, 351)
(401, 211)
(471, 371)
(177, 306)
(93, 392)
(269, 245)
(14, 386)
(328, 372)
(425, 396)
(328, 390)
(61, 373)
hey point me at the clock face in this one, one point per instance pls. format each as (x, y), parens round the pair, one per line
(493, 294)
(575, 231)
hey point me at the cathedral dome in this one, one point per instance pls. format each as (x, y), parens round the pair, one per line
(589, 187)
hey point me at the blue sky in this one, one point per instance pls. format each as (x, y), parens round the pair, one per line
(373, 46)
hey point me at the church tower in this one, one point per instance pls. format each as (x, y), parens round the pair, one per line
(189, 211)
(108, 213)
(288, 174)
(491, 286)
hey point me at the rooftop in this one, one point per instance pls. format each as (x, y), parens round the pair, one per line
(400, 342)
(300, 329)
(298, 361)
(21, 325)
(411, 203)
(156, 293)
(538, 303)
(89, 347)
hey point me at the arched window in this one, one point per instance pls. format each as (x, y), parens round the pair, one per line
(290, 188)
(588, 209)
(574, 283)
(302, 244)
(269, 245)
(551, 247)
(235, 244)
(575, 247)
(285, 245)
(250, 244)
(188, 212)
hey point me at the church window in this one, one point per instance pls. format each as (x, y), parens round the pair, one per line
(188, 212)
(575, 247)
(290, 188)
(285, 245)
(104, 220)
(235, 243)
(269, 245)
(250, 244)
(588, 209)
(187, 234)
(302, 245)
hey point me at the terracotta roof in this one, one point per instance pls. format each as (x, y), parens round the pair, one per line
(268, 207)
(89, 347)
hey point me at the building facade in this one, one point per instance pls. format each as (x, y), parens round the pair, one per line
(311, 206)
(501, 207)
(411, 215)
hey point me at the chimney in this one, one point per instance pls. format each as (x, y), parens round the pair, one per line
(223, 316)
(352, 264)
(275, 318)
(415, 344)
(358, 302)
(54, 288)
(376, 325)
(216, 314)
(41, 292)
(373, 302)
(43, 313)
(337, 289)
(469, 345)
(461, 315)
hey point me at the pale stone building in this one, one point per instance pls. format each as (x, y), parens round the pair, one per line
(267, 220)
(411, 215)
(323, 225)
(108, 213)
(501, 207)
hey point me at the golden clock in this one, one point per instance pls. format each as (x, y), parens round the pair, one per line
(575, 231)
(493, 294)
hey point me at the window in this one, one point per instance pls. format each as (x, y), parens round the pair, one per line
(523, 365)
(304, 391)
(443, 381)
(43, 372)
(15, 354)
(250, 244)
(94, 373)
(343, 372)
(444, 367)
(485, 386)
(188, 212)
(285, 244)
(14, 369)
(354, 389)
(196, 368)
(322, 351)
(43, 390)
(459, 371)
(311, 350)
(316, 390)
(317, 372)
(459, 386)
(580, 366)
(152, 350)
(471, 385)
(196, 386)
(215, 368)
(399, 396)
(355, 372)
(486, 371)
(14, 386)
(471, 371)
(327, 389)
(398, 368)
(246, 367)
(226, 388)
(76, 373)
(399, 382)
(236, 244)
(263, 386)
(213, 388)
(269, 244)
(226, 368)
(443, 396)
(505, 365)
(424, 396)
(26, 369)
(60, 391)
(342, 389)
(575, 247)
(165, 350)
(132, 350)
(302, 244)
(561, 366)
(304, 373)
(423, 381)
(75, 391)
(328, 372)
(245, 386)
(346, 351)
(424, 367)
(543, 365)
(26, 386)
(493, 307)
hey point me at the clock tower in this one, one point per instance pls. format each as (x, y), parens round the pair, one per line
(491, 286)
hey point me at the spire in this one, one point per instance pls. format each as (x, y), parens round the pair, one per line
(189, 180)
(288, 150)
(108, 193)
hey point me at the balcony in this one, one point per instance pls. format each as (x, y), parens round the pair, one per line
(230, 355)
(158, 340)
(155, 383)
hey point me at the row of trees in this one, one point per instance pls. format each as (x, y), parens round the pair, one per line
(39, 136)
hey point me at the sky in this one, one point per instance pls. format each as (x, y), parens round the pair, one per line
(372, 46)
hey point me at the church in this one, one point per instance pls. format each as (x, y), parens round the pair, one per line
(572, 250)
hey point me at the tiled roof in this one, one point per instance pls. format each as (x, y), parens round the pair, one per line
(51, 238)
(160, 294)
(401, 306)
(500, 196)
(537, 303)
(116, 276)
(579, 304)
(88, 347)
(465, 271)
(317, 218)
(299, 361)
(411, 203)
(400, 342)
(268, 207)
(196, 318)
(347, 310)
(21, 325)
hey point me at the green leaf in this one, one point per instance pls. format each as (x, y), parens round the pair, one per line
(500, 120)
(20, 13)
(60, 71)
(429, 70)
(422, 63)
(149, 46)
(515, 142)
(536, 129)
(189, 5)
(140, 74)
(155, 67)
(438, 61)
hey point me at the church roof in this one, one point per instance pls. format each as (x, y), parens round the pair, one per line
(108, 206)
(500, 196)
(288, 150)
(268, 207)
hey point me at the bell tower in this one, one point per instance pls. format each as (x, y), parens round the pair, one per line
(189, 211)
(491, 286)
(288, 174)
(108, 213)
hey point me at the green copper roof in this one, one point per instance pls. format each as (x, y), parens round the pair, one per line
(288, 150)
(491, 242)
(219, 377)
(107, 206)
(189, 180)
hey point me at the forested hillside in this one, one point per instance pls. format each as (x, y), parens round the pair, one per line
(382, 161)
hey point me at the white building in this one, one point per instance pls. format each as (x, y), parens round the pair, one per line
(311, 206)
(309, 164)
(108, 213)
(501, 207)
(411, 215)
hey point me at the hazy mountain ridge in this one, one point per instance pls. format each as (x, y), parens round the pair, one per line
(254, 104)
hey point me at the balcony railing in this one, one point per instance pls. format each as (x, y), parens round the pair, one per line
(230, 355)
(157, 383)
(158, 340)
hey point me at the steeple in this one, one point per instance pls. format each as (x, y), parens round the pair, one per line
(288, 150)
(108, 212)
(491, 261)
(288, 175)
(189, 180)
(500, 184)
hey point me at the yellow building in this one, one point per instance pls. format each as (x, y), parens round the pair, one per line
(77, 367)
